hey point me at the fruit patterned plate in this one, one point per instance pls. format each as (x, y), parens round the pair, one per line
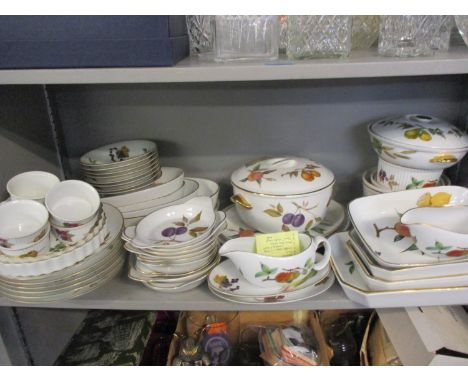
(125, 151)
(357, 290)
(227, 283)
(334, 217)
(376, 220)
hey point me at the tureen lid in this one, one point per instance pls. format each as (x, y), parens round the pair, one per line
(282, 176)
(422, 131)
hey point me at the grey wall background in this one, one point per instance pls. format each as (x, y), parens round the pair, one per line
(210, 129)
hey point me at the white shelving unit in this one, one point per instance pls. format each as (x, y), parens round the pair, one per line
(317, 107)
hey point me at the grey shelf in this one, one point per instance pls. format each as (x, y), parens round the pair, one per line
(122, 293)
(360, 64)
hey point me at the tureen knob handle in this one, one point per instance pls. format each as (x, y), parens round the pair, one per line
(241, 200)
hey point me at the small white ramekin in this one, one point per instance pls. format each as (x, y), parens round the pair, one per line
(397, 178)
(32, 185)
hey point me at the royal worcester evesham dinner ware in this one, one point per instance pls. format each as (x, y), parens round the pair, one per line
(32, 185)
(176, 225)
(357, 290)
(398, 178)
(260, 269)
(439, 231)
(207, 188)
(178, 288)
(120, 168)
(72, 203)
(226, 282)
(171, 179)
(120, 152)
(418, 141)
(376, 283)
(282, 194)
(412, 273)
(175, 270)
(376, 220)
(74, 234)
(22, 223)
(60, 255)
(334, 217)
(38, 247)
(370, 186)
(117, 176)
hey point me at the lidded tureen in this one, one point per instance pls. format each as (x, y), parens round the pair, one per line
(282, 194)
(418, 141)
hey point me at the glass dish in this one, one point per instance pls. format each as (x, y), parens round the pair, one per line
(318, 36)
(365, 31)
(199, 29)
(246, 38)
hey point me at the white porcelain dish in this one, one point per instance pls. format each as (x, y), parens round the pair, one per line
(439, 231)
(226, 282)
(187, 192)
(60, 257)
(118, 152)
(176, 225)
(279, 194)
(397, 178)
(184, 287)
(72, 202)
(207, 188)
(171, 179)
(377, 221)
(124, 185)
(112, 177)
(413, 273)
(71, 235)
(120, 167)
(334, 218)
(32, 185)
(357, 290)
(264, 271)
(376, 283)
(418, 141)
(22, 223)
(36, 248)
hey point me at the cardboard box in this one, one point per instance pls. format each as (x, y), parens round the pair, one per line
(428, 335)
(91, 41)
(264, 318)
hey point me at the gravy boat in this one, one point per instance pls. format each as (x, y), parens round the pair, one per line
(439, 230)
(269, 271)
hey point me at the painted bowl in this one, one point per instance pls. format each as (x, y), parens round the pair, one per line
(282, 194)
(418, 141)
(439, 231)
(267, 271)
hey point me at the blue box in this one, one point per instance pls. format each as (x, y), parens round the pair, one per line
(91, 41)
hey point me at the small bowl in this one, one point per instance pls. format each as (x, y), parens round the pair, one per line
(74, 234)
(22, 222)
(38, 247)
(31, 185)
(439, 231)
(72, 203)
(397, 178)
(267, 271)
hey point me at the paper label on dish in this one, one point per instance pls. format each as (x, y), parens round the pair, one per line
(278, 244)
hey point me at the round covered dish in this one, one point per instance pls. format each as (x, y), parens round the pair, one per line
(418, 141)
(282, 194)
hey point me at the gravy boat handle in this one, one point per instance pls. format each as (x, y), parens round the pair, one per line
(326, 256)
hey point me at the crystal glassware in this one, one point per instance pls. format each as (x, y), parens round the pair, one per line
(462, 25)
(409, 36)
(246, 38)
(441, 39)
(200, 33)
(365, 31)
(318, 36)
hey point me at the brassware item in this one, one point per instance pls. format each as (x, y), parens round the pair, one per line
(439, 231)
(280, 194)
(265, 271)
(32, 185)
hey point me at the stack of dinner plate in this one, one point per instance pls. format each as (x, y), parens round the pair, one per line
(176, 247)
(122, 167)
(407, 248)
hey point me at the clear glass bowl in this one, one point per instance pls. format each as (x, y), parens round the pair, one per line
(246, 38)
(410, 36)
(200, 33)
(441, 39)
(365, 31)
(318, 36)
